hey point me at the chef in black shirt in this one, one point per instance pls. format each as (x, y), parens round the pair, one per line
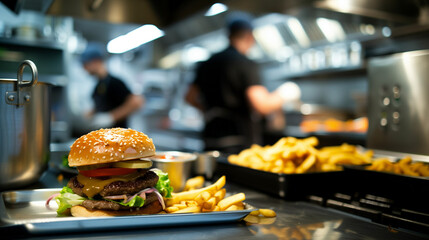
(113, 101)
(228, 90)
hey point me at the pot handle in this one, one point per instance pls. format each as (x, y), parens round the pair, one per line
(22, 95)
(34, 74)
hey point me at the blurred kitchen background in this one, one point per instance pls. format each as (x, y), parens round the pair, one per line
(322, 45)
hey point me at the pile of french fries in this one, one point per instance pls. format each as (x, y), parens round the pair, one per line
(404, 166)
(207, 199)
(290, 155)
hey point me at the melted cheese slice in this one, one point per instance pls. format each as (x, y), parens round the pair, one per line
(92, 186)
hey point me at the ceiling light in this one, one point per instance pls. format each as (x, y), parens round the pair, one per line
(298, 32)
(135, 38)
(216, 9)
(331, 29)
(269, 38)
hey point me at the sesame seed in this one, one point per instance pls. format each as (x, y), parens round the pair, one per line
(104, 157)
(90, 150)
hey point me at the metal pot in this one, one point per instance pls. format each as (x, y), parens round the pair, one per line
(206, 164)
(24, 128)
(178, 165)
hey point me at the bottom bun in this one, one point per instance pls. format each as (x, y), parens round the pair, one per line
(79, 211)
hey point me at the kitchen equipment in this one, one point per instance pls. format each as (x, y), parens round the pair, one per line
(26, 213)
(24, 128)
(178, 165)
(398, 102)
(206, 164)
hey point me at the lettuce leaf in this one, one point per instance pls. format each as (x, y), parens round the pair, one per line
(163, 185)
(66, 200)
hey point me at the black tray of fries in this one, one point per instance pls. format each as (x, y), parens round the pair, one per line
(287, 186)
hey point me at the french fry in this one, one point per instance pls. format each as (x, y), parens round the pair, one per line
(210, 203)
(220, 194)
(180, 205)
(191, 203)
(307, 164)
(251, 219)
(205, 195)
(193, 209)
(194, 183)
(232, 208)
(423, 170)
(403, 164)
(228, 201)
(171, 209)
(254, 213)
(199, 199)
(267, 213)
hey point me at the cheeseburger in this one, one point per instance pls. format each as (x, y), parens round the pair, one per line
(113, 178)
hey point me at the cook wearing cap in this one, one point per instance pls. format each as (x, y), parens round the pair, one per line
(228, 90)
(113, 101)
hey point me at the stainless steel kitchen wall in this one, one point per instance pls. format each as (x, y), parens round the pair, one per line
(398, 102)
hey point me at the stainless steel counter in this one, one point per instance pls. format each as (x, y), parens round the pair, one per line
(295, 220)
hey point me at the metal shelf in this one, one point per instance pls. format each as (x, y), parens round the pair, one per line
(47, 44)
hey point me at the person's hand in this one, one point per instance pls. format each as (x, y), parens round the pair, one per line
(102, 120)
(289, 92)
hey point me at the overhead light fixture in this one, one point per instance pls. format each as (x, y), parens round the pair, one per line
(269, 38)
(215, 9)
(331, 29)
(298, 32)
(135, 38)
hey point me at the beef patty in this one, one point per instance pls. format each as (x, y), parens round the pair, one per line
(108, 205)
(146, 180)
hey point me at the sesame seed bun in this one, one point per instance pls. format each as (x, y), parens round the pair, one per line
(110, 145)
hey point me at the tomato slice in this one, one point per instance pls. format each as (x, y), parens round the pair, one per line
(104, 172)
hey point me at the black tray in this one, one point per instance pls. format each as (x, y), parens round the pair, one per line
(406, 191)
(287, 186)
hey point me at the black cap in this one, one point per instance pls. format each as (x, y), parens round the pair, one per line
(239, 22)
(93, 51)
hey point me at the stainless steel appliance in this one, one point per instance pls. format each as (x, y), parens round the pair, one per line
(24, 128)
(398, 108)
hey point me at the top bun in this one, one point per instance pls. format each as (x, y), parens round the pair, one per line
(110, 145)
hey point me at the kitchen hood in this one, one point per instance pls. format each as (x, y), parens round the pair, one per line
(183, 21)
